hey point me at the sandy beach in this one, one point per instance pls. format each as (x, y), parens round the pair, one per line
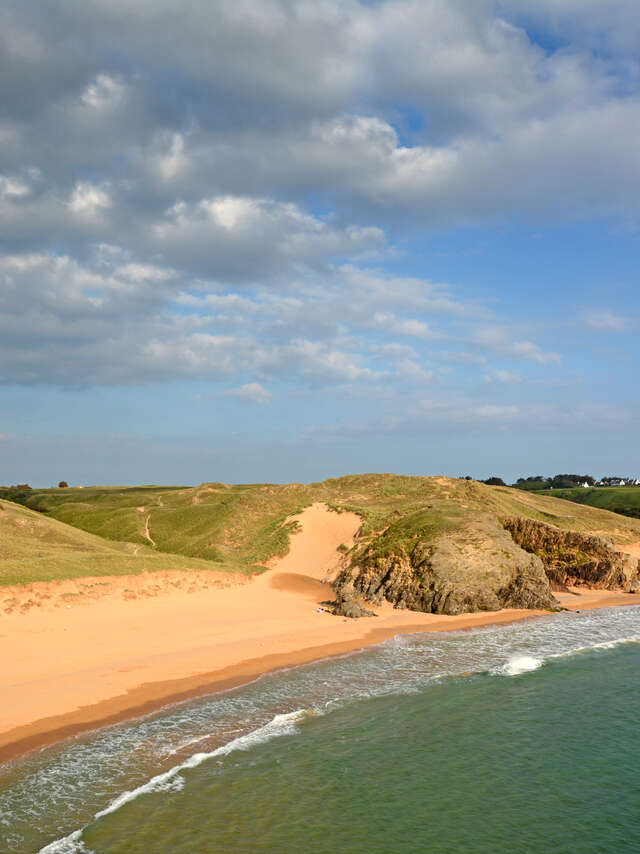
(80, 654)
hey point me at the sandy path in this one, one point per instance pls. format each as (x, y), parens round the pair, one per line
(107, 649)
(147, 532)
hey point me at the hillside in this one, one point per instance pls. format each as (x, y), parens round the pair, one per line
(36, 548)
(432, 543)
(618, 499)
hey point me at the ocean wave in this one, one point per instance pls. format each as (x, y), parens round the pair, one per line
(610, 644)
(67, 787)
(280, 725)
(71, 844)
(519, 664)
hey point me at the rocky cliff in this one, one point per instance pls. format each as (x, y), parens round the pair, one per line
(482, 564)
(477, 567)
(573, 559)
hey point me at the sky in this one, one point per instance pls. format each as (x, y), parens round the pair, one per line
(285, 240)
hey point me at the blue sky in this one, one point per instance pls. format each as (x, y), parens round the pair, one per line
(287, 240)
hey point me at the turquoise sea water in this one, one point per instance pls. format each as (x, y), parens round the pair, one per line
(521, 738)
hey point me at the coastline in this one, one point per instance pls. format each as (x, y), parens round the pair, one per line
(148, 698)
(82, 654)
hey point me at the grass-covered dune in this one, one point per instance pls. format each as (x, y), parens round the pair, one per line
(618, 499)
(430, 543)
(34, 547)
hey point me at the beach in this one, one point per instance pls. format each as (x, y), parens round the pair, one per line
(81, 654)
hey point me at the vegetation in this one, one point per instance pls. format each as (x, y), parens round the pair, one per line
(560, 481)
(36, 548)
(238, 528)
(618, 499)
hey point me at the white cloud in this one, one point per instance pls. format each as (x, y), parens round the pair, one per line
(606, 321)
(393, 351)
(172, 161)
(413, 371)
(403, 326)
(502, 377)
(244, 168)
(252, 392)
(88, 199)
(233, 237)
(116, 319)
(498, 340)
(103, 92)
(12, 188)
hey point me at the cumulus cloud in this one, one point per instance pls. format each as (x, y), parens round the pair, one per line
(103, 92)
(87, 199)
(290, 102)
(225, 190)
(233, 238)
(114, 319)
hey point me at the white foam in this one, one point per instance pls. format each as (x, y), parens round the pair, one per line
(611, 644)
(279, 725)
(169, 781)
(71, 844)
(520, 664)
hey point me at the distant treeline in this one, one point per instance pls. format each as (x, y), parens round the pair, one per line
(538, 482)
(20, 493)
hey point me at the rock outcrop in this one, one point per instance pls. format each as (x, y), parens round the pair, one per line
(348, 604)
(477, 567)
(574, 559)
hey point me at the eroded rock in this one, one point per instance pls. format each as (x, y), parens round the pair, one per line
(477, 567)
(347, 603)
(574, 559)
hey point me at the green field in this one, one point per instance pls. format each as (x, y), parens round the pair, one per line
(238, 528)
(618, 499)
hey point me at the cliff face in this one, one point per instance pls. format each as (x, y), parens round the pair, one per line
(574, 559)
(482, 564)
(475, 568)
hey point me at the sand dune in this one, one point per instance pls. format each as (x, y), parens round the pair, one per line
(83, 653)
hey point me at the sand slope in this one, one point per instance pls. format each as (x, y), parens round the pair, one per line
(98, 650)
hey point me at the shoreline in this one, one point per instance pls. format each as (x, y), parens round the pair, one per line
(148, 698)
(86, 653)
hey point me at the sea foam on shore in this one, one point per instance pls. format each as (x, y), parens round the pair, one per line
(81, 783)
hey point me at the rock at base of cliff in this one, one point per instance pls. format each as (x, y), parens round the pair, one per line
(348, 605)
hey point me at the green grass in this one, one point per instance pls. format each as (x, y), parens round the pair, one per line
(34, 547)
(624, 500)
(239, 528)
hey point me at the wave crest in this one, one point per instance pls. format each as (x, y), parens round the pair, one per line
(518, 664)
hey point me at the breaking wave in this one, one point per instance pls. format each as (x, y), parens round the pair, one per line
(171, 781)
(520, 664)
(73, 784)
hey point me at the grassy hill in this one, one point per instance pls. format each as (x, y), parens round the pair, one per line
(36, 548)
(618, 499)
(238, 528)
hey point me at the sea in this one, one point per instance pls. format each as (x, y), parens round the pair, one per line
(514, 738)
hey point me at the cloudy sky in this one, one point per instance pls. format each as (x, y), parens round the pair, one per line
(292, 239)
